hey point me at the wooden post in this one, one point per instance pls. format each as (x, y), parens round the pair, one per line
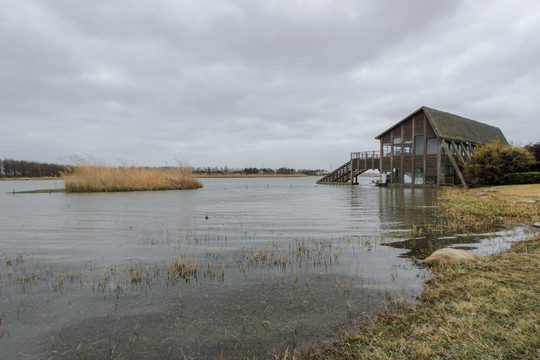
(352, 171)
(439, 161)
(456, 167)
(381, 158)
(425, 149)
(392, 156)
(458, 153)
(413, 151)
(401, 169)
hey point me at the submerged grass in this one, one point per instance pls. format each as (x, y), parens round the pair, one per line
(487, 310)
(96, 177)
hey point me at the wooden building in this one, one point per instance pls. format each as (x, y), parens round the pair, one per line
(427, 147)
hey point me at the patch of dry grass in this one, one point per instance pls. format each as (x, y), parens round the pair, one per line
(96, 177)
(496, 205)
(516, 192)
(486, 310)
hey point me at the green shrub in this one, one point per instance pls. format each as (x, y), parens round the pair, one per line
(535, 150)
(522, 178)
(490, 163)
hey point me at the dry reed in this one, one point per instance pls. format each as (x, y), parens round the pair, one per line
(93, 176)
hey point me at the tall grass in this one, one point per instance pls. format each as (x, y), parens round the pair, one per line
(94, 176)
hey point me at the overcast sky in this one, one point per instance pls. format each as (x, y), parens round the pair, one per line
(248, 83)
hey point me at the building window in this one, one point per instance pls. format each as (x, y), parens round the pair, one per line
(432, 145)
(407, 179)
(447, 174)
(407, 147)
(397, 146)
(418, 176)
(419, 145)
(386, 149)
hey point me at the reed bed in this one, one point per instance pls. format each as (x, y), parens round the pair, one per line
(96, 177)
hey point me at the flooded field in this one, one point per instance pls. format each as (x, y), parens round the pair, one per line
(240, 268)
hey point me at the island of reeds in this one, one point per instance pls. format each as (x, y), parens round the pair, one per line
(97, 177)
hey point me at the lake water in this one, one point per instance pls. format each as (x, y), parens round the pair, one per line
(239, 268)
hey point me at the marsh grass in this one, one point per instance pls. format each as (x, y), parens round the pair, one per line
(113, 280)
(487, 310)
(94, 176)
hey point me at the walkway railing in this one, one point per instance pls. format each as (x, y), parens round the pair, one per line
(366, 155)
(348, 172)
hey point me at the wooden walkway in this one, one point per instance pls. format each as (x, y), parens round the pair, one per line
(347, 174)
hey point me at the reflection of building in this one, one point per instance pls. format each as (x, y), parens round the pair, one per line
(427, 147)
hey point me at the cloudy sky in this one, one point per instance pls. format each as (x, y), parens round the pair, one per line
(249, 83)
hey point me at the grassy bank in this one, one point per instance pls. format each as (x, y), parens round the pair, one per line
(100, 178)
(502, 204)
(484, 310)
(487, 310)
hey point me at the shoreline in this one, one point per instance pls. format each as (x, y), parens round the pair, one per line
(487, 309)
(484, 310)
(30, 178)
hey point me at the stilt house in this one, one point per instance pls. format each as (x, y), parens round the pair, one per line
(427, 147)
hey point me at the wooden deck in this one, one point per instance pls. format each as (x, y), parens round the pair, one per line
(347, 174)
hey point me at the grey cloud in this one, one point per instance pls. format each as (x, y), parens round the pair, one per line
(287, 83)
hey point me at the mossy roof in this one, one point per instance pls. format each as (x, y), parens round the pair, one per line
(453, 127)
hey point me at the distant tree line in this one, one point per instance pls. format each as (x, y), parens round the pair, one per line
(216, 170)
(23, 168)
(253, 170)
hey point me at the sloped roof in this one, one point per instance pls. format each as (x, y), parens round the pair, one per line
(453, 127)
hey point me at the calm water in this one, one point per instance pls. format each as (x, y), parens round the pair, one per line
(273, 264)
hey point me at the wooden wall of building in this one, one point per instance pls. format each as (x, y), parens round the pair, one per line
(400, 156)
